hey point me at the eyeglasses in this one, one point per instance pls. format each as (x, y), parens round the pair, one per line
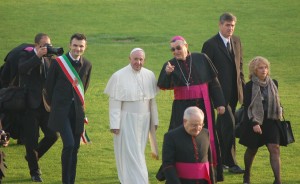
(178, 47)
(197, 125)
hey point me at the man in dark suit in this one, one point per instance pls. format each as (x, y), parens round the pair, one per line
(225, 51)
(67, 81)
(33, 66)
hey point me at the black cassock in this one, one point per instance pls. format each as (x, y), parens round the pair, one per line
(186, 159)
(195, 83)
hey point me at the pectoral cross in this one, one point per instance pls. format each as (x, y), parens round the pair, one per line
(187, 85)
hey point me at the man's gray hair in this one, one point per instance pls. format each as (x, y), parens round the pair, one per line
(193, 111)
(227, 17)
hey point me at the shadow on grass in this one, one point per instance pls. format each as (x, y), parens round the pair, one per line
(16, 181)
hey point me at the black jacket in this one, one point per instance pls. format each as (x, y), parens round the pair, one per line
(32, 77)
(61, 94)
(178, 147)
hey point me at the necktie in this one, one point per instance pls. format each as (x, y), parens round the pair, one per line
(43, 70)
(228, 45)
(77, 63)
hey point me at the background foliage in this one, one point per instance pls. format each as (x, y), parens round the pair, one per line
(114, 27)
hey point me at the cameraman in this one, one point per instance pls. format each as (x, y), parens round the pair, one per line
(33, 67)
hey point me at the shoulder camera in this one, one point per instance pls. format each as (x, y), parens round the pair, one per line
(54, 50)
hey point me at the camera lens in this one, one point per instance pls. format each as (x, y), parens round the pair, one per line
(54, 50)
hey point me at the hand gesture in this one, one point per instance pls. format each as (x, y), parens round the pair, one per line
(169, 68)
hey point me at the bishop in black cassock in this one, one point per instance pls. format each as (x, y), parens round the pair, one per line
(193, 78)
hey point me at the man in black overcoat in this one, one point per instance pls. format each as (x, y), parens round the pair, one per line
(33, 67)
(225, 51)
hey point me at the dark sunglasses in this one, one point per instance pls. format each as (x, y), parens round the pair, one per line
(178, 47)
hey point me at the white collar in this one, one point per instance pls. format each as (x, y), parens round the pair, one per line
(73, 58)
(35, 51)
(225, 40)
(42, 58)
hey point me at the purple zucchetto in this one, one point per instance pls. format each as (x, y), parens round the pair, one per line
(175, 38)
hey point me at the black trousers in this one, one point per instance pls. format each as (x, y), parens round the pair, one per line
(33, 119)
(226, 133)
(71, 144)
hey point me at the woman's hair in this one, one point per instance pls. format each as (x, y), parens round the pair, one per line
(253, 64)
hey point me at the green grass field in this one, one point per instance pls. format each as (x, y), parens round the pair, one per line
(114, 27)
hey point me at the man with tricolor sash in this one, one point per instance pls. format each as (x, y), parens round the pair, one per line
(67, 81)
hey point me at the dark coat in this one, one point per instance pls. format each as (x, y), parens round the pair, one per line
(60, 95)
(178, 147)
(230, 68)
(248, 137)
(9, 72)
(32, 77)
(203, 71)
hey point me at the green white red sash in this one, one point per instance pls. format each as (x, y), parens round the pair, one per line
(84, 139)
(76, 82)
(72, 76)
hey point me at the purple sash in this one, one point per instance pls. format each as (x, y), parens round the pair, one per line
(193, 170)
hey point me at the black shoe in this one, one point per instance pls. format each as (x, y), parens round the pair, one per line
(236, 170)
(36, 178)
(225, 167)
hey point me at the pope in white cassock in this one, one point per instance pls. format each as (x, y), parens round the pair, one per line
(133, 116)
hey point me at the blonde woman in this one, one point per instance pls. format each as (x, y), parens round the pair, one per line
(261, 122)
